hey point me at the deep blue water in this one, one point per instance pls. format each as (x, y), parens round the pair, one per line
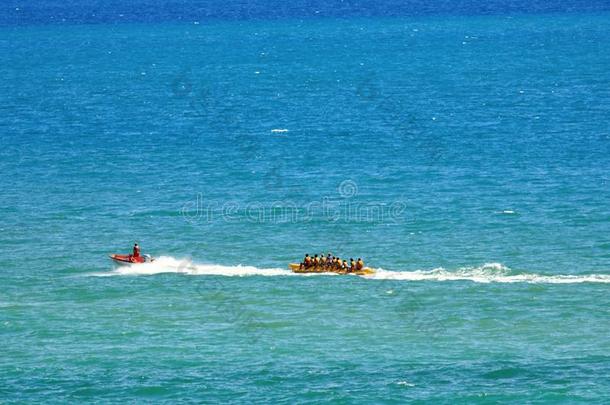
(15, 12)
(462, 150)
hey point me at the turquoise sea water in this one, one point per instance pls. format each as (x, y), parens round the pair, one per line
(466, 158)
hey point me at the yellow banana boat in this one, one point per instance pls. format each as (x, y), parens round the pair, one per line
(296, 268)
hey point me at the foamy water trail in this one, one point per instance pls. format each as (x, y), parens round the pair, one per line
(487, 273)
(167, 264)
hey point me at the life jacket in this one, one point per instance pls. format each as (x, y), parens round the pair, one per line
(308, 260)
(359, 265)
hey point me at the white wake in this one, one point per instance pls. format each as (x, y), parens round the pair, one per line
(487, 273)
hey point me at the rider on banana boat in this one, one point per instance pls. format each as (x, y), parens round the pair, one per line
(316, 261)
(329, 260)
(344, 266)
(352, 265)
(359, 264)
(306, 262)
(322, 260)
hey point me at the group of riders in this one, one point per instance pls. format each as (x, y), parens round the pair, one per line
(331, 263)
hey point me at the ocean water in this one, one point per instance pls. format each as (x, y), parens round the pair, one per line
(464, 156)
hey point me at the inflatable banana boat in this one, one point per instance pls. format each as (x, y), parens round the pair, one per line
(296, 268)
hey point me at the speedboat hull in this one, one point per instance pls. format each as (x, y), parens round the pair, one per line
(125, 260)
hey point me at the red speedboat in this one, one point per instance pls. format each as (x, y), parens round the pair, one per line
(131, 259)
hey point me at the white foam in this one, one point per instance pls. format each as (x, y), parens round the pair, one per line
(487, 273)
(167, 264)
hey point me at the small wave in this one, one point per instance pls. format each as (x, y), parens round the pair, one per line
(487, 273)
